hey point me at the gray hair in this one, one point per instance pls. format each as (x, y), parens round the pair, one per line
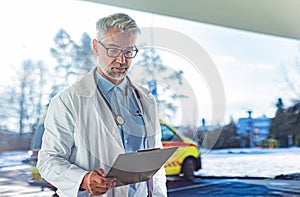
(119, 21)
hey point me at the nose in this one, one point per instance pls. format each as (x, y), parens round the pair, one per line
(121, 58)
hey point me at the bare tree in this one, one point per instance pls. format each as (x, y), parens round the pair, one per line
(72, 59)
(21, 100)
(150, 68)
(292, 78)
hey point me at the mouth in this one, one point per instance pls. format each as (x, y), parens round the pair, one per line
(120, 68)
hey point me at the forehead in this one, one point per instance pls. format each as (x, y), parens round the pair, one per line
(120, 37)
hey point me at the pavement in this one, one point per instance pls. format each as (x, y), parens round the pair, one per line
(14, 182)
(234, 187)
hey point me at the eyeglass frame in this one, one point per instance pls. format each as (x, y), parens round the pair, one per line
(121, 51)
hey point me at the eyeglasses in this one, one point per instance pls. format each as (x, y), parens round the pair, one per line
(115, 52)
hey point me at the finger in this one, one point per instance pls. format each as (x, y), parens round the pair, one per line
(109, 182)
(99, 181)
(101, 188)
(100, 172)
(96, 188)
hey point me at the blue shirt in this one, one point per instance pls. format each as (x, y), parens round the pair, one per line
(123, 101)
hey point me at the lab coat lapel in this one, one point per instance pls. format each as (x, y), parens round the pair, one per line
(88, 88)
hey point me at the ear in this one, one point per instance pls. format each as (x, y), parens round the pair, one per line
(95, 47)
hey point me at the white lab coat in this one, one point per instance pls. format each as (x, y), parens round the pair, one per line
(81, 135)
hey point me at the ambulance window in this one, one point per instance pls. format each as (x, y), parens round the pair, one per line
(169, 135)
(37, 139)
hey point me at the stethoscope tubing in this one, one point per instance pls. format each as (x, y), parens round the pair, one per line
(118, 118)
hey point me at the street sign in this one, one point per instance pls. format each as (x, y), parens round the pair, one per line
(152, 87)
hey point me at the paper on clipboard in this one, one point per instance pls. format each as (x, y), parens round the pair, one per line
(139, 166)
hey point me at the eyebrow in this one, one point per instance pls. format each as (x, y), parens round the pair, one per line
(117, 46)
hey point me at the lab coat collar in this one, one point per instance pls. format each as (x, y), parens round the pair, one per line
(106, 85)
(87, 85)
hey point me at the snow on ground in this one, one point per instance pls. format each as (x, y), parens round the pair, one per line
(254, 162)
(12, 158)
(251, 162)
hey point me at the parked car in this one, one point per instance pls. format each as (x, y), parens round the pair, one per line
(184, 161)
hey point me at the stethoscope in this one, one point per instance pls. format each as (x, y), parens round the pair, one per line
(119, 119)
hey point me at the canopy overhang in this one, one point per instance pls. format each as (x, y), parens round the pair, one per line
(272, 17)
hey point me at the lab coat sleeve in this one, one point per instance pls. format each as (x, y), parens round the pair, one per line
(53, 159)
(159, 179)
(159, 183)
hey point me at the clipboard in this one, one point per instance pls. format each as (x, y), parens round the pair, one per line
(139, 166)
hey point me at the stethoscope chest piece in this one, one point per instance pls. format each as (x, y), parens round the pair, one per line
(120, 120)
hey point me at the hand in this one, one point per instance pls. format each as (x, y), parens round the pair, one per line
(97, 183)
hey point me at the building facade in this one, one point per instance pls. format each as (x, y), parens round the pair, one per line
(254, 129)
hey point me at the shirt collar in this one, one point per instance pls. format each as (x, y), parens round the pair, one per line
(106, 85)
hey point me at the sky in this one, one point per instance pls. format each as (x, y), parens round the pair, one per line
(250, 66)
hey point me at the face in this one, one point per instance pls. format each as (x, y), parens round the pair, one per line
(114, 68)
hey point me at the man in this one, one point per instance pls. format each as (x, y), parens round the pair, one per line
(102, 115)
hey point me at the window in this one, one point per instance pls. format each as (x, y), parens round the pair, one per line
(169, 135)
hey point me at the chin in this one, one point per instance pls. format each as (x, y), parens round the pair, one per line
(118, 77)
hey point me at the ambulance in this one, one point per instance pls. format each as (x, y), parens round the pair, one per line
(187, 159)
